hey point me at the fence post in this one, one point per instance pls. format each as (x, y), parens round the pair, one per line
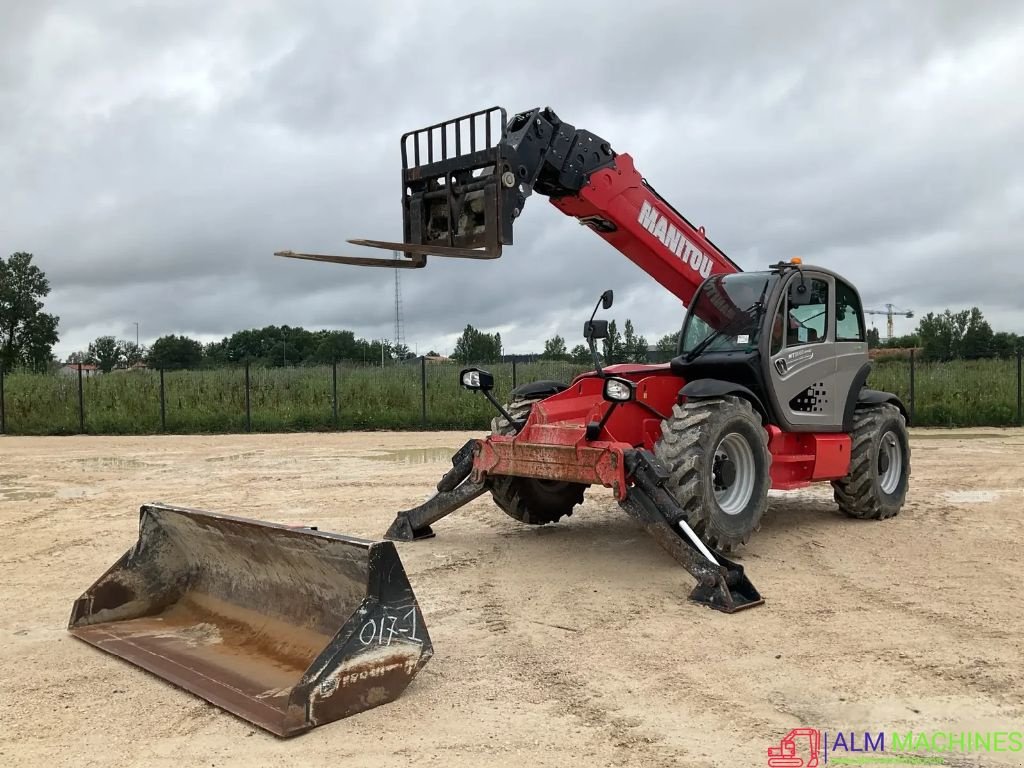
(513, 373)
(334, 391)
(3, 408)
(248, 401)
(1020, 410)
(912, 397)
(81, 402)
(423, 391)
(163, 404)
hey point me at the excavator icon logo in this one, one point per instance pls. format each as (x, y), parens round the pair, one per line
(785, 755)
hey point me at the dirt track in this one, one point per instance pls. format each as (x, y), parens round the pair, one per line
(568, 644)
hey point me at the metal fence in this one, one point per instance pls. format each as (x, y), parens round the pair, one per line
(419, 394)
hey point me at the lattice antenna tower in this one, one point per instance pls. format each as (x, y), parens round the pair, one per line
(399, 323)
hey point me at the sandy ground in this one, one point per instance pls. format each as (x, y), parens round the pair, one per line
(565, 645)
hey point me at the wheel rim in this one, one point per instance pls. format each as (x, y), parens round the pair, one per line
(890, 462)
(733, 473)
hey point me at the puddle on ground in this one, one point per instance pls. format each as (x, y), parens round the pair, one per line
(415, 455)
(112, 462)
(73, 492)
(959, 436)
(234, 456)
(21, 494)
(971, 497)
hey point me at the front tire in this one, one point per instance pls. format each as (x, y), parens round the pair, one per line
(530, 500)
(717, 452)
(876, 485)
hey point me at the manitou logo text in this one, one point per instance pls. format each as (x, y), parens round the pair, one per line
(657, 224)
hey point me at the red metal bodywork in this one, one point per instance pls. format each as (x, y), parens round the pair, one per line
(646, 229)
(625, 211)
(553, 445)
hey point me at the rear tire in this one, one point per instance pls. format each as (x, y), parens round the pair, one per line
(717, 451)
(527, 499)
(876, 486)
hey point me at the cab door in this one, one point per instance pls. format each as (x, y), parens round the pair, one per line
(802, 354)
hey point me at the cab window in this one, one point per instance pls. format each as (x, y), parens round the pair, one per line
(802, 315)
(849, 323)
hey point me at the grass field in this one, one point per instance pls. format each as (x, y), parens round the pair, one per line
(963, 393)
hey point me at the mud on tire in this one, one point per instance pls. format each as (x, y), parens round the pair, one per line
(876, 486)
(723, 504)
(527, 499)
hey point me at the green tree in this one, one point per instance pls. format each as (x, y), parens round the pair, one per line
(1005, 344)
(976, 341)
(634, 346)
(215, 353)
(963, 334)
(613, 346)
(910, 341)
(375, 352)
(667, 346)
(27, 334)
(332, 346)
(401, 352)
(580, 354)
(554, 349)
(476, 346)
(132, 353)
(105, 352)
(175, 352)
(873, 338)
(939, 335)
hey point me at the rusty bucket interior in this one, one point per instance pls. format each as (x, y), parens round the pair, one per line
(288, 628)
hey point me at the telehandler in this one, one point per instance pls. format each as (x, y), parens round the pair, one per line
(767, 389)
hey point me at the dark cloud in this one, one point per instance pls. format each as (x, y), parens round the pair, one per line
(155, 155)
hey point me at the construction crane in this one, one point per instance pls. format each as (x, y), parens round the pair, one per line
(890, 312)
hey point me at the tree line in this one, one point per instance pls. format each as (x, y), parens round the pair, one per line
(28, 335)
(963, 335)
(625, 347)
(271, 345)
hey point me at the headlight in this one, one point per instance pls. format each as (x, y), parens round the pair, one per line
(618, 390)
(475, 379)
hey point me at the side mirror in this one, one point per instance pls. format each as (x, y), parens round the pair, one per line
(606, 299)
(595, 329)
(474, 379)
(800, 294)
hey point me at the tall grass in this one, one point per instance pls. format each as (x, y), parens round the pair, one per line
(963, 393)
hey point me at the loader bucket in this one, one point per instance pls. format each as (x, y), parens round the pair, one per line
(288, 628)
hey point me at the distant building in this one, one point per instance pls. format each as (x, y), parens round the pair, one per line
(88, 369)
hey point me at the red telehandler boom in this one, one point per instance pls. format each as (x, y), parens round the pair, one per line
(767, 390)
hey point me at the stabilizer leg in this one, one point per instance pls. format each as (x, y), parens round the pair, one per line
(721, 583)
(453, 491)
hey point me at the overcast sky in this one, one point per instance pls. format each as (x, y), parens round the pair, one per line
(155, 154)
